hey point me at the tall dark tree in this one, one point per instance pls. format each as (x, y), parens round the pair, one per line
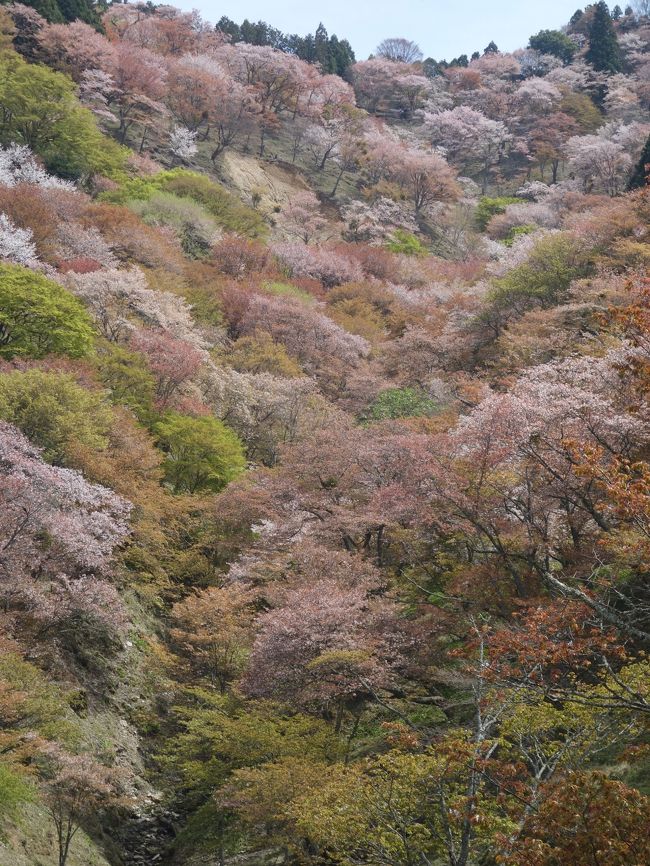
(321, 48)
(491, 48)
(230, 28)
(604, 52)
(641, 176)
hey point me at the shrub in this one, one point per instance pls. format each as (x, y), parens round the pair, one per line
(516, 232)
(406, 243)
(14, 790)
(238, 257)
(38, 317)
(194, 226)
(488, 207)
(260, 353)
(401, 403)
(229, 213)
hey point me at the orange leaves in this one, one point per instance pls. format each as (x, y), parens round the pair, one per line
(584, 819)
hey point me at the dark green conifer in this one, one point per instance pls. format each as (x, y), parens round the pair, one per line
(604, 53)
(641, 176)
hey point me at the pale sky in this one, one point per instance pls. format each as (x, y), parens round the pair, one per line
(442, 28)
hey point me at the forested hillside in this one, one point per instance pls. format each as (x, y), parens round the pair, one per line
(324, 440)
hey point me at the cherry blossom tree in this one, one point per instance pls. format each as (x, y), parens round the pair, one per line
(88, 521)
(173, 362)
(120, 300)
(469, 138)
(326, 265)
(598, 163)
(315, 651)
(139, 78)
(266, 411)
(425, 176)
(16, 244)
(214, 627)
(75, 48)
(301, 217)
(182, 143)
(18, 165)
(76, 787)
(307, 334)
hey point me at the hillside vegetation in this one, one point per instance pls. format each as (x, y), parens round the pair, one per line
(324, 440)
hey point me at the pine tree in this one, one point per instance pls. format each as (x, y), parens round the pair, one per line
(604, 53)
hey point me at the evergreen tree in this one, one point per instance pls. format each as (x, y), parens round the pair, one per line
(553, 42)
(230, 28)
(604, 53)
(432, 68)
(492, 48)
(641, 176)
(321, 48)
(334, 56)
(60, 11)
(617, 13)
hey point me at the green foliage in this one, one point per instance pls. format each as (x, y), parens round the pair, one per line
(554, 42)
(401, 403)
(129, 379)
(287, 290)
(220, 735)
(194, 226)
(81, 10)
(544, 278)
(14, 790)
(54, 412)
(201, 453)
(582, 108)
(59, 11)
(38, 317)
(39, 108)
(333, 55)
(36, 704)
(604, 52)
(516, 232)
(641, 176)
(406, 243)
(398, 808)
(227, 212)
(488, 207)
(262, 354)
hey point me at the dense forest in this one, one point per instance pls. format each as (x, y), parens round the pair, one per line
(324, 444)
